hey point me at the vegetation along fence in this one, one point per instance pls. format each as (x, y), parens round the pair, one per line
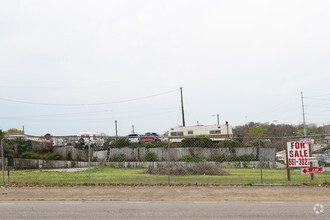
(30, 160)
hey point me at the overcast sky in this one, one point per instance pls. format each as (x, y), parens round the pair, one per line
(73, 66)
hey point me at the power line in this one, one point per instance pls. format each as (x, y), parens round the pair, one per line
(87, 104)
(317, 96)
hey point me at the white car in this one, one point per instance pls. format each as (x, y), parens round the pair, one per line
(134, 138)
(279, 157)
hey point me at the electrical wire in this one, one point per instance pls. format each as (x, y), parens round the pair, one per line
(87, 104)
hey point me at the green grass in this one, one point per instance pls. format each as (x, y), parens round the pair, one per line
(134, 176)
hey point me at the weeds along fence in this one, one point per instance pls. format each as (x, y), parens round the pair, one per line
(120, 160)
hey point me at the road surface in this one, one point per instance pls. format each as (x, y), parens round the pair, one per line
(162, 210)
(165, 202)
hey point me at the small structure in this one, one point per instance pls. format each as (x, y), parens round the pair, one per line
(214, 132)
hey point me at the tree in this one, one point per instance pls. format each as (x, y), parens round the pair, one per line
(47, 135)
(256, 131)
(267, 130)
(14, 131)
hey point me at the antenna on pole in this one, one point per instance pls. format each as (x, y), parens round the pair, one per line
(303, 110)
(183, 122)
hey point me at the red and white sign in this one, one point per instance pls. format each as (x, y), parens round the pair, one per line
(310, 170)
(298, 154)
(306, 141)
(312, 159)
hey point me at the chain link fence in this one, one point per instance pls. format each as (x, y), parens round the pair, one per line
(132, 160)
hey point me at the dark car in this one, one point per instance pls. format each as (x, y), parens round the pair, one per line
(324, 161)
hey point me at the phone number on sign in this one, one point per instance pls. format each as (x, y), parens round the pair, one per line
(299, 162)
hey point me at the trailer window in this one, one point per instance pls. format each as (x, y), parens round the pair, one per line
(215, 132)
(176, 133)
(190, 132)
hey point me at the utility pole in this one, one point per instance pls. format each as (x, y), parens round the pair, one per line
(218, 119)
(133, 129)
(310, 147)
(2, 161)
(183, 122)
(303, 110)
(116, 129)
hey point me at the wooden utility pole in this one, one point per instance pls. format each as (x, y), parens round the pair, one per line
(116, 129)
(303, 110)
(305, 134)
(183, 122)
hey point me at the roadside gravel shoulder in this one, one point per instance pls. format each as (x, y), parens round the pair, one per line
(168, 193)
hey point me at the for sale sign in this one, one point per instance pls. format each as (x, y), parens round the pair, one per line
(298, 154)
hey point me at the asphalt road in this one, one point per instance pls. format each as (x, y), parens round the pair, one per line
(162, 210)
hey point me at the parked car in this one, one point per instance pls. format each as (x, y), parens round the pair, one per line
(134, 138)
(324, 161)
(149, 137)
(279, 158)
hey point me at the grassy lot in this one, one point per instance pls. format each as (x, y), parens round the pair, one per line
(134, 176)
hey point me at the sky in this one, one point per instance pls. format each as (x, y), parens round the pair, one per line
(72, 66)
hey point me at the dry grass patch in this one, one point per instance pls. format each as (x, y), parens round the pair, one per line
(195, 169)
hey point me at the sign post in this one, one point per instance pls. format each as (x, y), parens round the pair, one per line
(309, 141)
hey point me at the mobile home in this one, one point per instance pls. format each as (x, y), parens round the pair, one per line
(214, 132)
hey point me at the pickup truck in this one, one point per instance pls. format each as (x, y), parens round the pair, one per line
(149, 137)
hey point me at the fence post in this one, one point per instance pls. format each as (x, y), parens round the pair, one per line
(287, 161)
(89, 162)
(311, 163)
(2, 162)
(262, 179)
(168, 161)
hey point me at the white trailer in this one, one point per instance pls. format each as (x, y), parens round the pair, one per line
(94, 138)
(214, 132)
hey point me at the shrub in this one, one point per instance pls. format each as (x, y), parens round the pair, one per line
(163, 144)
(29, 155)
(198, 141)
(42, 150)
(231, 143)
(21, 147)
(119, 158)
(150, 156)
(120, 143)
(8, 152)
(218, 157)
(69, 155)
(134, 145)
(246, 157)
(148, 145)
(255, 143)
(109, 141)
(232, 157)
(192, 158)
(52, 156)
